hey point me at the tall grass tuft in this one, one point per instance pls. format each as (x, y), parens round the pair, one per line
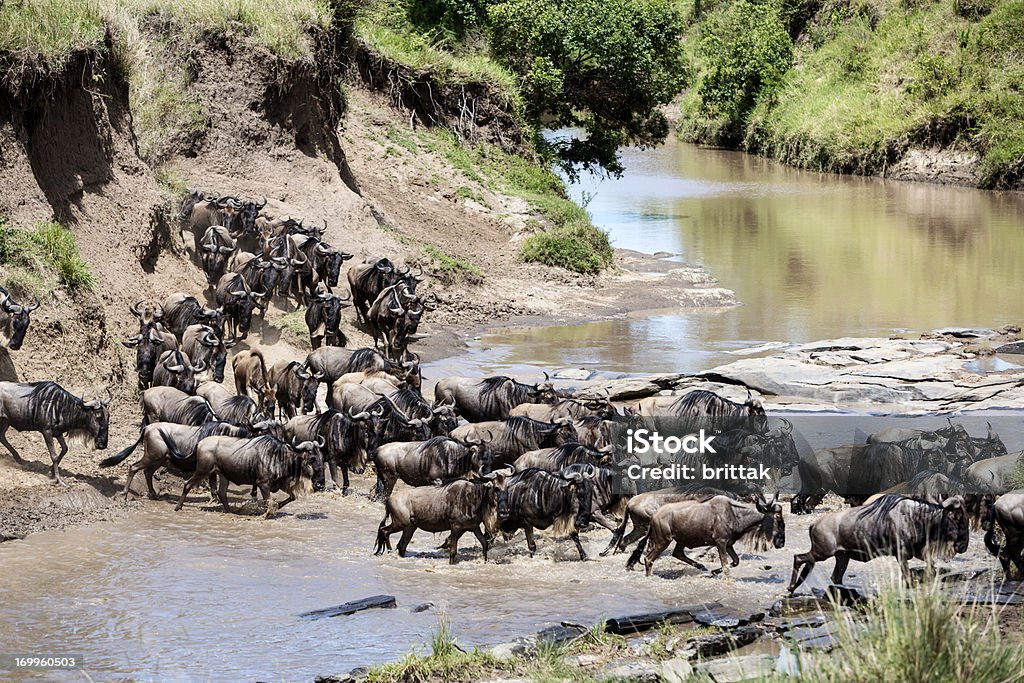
(38, 260)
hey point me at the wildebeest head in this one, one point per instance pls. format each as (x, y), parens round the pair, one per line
(268, 398)
(989, 447)
(565, 432)
(247, 214)
(308, 383)
(498, 488)
(148, 313)
(213, 318)
(219, 353)
(148, 348)
(17, 319)
(544, 392)
(782, 447)
(445, 417)
(955, 525)
(312, 461)
(247, 302)
(331, 260)
(480, 454)
(367, 440)
(755, 410)
(773, 525)
(215, 253)
(582, 484)
(181, 370)
(98, 415)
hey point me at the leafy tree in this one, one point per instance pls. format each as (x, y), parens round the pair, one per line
(747, 52)
(451, 16)
(603, 66)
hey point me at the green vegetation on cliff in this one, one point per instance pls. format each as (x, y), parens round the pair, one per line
(851, 85)
(34, 262)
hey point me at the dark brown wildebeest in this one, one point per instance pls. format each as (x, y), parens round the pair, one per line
(1007, 513)
(720, 522)
(511, 438)
(203, 346)
(458, 506)
(323, 319)
(252, 377)
(386, 314)
(182, 310)
(148, 348)
(492, 398)
(826, 470)
(348, 440)
(14, 320)
(366, 280)
(238, 410)
(215, 247)
(427, 463)
(54, 412)
(175, 369)
(641, 508)
(238, 302)
(893, 525)
(441, 417)
(265, 462)
(295, 387)
(155, 453)
(538, 499)
(702, 409)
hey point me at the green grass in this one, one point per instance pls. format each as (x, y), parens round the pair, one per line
(36, 261)
(443, 261)
(294, 322)
(874, 78)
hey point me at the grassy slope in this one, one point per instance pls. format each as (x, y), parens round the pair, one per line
(873, 78)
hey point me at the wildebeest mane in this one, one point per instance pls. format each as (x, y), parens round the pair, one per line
(500, 394)
(363, 360)
(239, 409)
(546, 492)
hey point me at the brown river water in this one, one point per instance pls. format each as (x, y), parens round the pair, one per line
(200, 595)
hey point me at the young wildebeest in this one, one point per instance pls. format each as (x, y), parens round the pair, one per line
(265, 462)
(348, 440)
(508, 439)
(295, 388)
(538, 500)
(720, 522)
(458, 506)
(1007, 514)
(426, 463)
(14, 320)
(491, 398)
(155, 453)
(892, 525)
(51, 410)
(250, 371)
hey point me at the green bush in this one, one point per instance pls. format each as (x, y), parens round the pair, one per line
(577, 246)
(35, 261)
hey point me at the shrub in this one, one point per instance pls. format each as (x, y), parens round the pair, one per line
(576, 246)
(37, 260)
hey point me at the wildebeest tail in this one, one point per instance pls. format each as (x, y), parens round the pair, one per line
(991, 542)
(382, 540)
(120, 456)
(617, 535)
(638, 552)
(172, 448)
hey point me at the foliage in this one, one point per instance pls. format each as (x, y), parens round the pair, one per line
(746, 52)
(579, 247)
(35, 261)
(604, 66)
(449, 263)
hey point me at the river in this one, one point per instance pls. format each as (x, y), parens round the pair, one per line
(202, 595)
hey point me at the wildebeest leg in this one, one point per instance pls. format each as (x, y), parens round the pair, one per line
(531, 542)
(193, 480)
(842, 562)
(617, 534)
(723, 553)
(7, 444)
(802, 566)
(333, 466)
(603, 520)
(680, 554)
(734, 559)
(222, 492)
(211, 483)
(638, 532)
(453, 547)
(344, 480)
(575, 536)
(484, 543)
(654, 550)
(290, 498)
(54, 458)
(133, 469)
(403, 542)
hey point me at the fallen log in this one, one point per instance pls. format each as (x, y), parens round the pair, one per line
(636, 623)
(372, 602)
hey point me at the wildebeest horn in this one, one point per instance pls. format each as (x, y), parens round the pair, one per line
(209, 339)
(562, 420)
(323, 248)
(787, 426)
(358, 416)
(110, 396)
(396, 311)
(547, 378)
(319, 375)
(262, 204)
(225, 250)
(32, 307)
(302, 374)
(238, 292)
(173, 368)
(572, 476)
(590, 471)
(199, 366)
(300, 261)
(155, 336)
(377, 412)
(135, 309)
(133, 341)
(347, 297)
(258, 294)
(320, 442)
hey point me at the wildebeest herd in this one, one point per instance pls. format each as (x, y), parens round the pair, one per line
(488, 456)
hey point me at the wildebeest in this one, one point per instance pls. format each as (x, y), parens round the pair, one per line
(557, 458)
(391, 424)
(511, 438)
(14, 320)
(377, 381)
(594, 431)
(238, 302)
(265, 462)
(251, 377)
(215, 247)
(236, 409)
(348, 440)
(566, 407)
(458, 506)
(167, 404)
(182, 310)
(538, 499)
(642, 507)
(175, 369)
(353, 396)
(993, 475)
(155, 453)
(892, 525)
(295, 387)
(826, 470)
(148, 348)
(386, 314)
(441, 417)
(702, 409)
(491, 398)
(205, 348)
(720, 522)
(331, 362)
(366, 280)
(882, 465)
(323, 319)
(426, 463)
(1007, 514)
(54, 412)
